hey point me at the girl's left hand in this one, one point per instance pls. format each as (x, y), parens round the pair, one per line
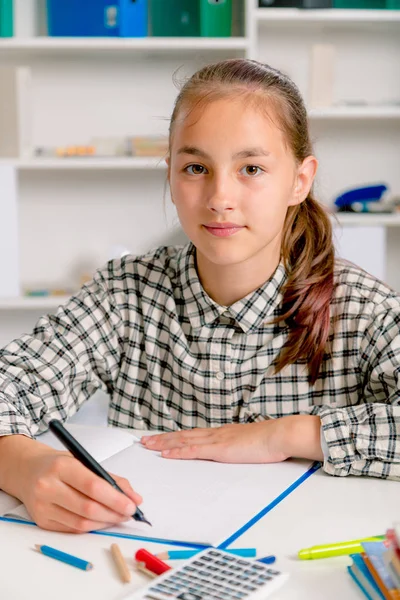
(261, 442)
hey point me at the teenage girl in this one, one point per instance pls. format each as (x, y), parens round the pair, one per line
(251, 344)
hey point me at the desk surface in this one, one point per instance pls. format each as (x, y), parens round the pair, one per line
(322, 510)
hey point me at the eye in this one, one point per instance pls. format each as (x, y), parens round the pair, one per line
(196, 169)
(252, 170)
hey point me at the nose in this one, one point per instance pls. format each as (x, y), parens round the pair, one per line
(220, 197)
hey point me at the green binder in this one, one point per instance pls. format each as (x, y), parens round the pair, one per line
(175, 18)
(216, 18)
(6, 18)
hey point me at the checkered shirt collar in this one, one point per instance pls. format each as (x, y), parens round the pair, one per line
(250, 313)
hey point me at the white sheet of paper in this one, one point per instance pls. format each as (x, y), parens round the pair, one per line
(199, 501)
(101, 443)
(190, 501)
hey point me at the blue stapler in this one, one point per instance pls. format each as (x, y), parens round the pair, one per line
(363, 199)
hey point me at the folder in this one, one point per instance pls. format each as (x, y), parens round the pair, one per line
(216, 18)
(176, 18)
(97, 18)
(133, 18)
(6, 18)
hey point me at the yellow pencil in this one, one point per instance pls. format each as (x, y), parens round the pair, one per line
(120, 563)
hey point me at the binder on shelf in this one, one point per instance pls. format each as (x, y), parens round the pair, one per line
(97, 18)
(216, 18)
(9, 257)
(6, 18)
(176, 18)
(15, 112)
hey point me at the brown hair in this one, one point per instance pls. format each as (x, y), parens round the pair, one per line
(307, 247)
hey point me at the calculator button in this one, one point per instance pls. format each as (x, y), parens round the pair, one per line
(189, 596)
(157, 595)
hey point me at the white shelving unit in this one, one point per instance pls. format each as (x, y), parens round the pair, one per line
(121, 45)
(44, 303)
(329, 17)
(86, 163)
(73, 211)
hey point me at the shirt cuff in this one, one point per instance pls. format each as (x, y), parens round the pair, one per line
(324, 444)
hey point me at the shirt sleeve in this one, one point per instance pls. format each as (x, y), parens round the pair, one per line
(52, 372)
(365, 439)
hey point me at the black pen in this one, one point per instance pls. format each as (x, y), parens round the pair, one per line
(86, 459)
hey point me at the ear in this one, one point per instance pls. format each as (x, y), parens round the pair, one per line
(304, 179)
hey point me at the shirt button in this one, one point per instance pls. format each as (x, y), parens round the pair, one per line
(220, 375)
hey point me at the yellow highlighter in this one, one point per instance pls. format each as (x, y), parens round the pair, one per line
(337, 549)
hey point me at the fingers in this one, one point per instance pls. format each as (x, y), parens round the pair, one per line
(61, 519)
(74, 501)
(127, 489)
(202, 451)
(90, 485)
(178, 439)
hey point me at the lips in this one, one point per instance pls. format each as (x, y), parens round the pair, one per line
(223, 229)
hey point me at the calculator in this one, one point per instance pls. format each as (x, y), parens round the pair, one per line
(213, 574)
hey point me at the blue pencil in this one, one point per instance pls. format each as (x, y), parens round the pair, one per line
(182, 554)
(64, 557)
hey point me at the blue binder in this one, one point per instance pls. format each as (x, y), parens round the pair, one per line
(98, 18)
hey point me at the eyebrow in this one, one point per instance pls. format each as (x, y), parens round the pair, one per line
(246, 153)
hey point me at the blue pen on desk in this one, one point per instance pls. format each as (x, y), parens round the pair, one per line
(69, 559)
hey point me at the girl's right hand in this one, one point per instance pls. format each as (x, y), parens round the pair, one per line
(61, 494)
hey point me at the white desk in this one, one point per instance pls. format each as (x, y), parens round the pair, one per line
(322, 510)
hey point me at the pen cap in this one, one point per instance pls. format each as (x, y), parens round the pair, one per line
(304, 554)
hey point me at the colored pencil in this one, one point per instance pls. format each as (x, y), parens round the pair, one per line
(120, 563)
(183, 554)
(69, 559)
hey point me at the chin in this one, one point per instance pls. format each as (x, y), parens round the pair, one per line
(223, 255)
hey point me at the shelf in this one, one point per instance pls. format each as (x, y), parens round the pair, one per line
(365, 220)
(32, 303)
(328, 16)
(355, 112)
(61, 164)
(89, 44)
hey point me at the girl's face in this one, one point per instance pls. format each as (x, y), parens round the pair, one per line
(232, 179)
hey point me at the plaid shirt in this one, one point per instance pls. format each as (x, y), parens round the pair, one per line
(145, 331)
